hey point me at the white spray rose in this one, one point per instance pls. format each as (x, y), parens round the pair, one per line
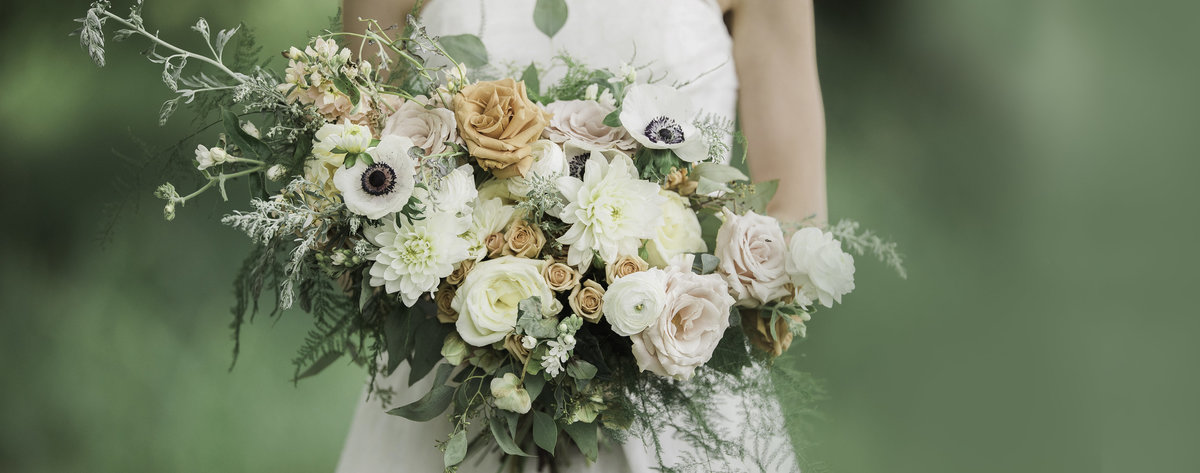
(634, 302)
(429, 128)
(689, 329)
(548, 161)
(582, 121)
(819, 268)
(679, 233)
(752, 251)
(487, 300)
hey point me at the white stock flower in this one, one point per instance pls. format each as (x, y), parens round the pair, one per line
(548, 161)
(428, 128)
(679, 233)
(414, 256)
(346, 138)
(380, 188)
(634, 302)
(488, 299)
(660, 117)
(752, 251)
(582, 121)
(819, 268)
(689, 328)
(209, 157)
(489, 216)
(610, 211)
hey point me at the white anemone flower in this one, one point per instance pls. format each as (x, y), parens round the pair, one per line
(383, 187)
(610, 211)
(414, 256)
(660, 117)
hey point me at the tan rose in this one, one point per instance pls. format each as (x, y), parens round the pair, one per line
(460, 272)
(494, 244)
(499, 122)
(560, 277)
(512, 343)
(678, 181)
(443, 297)
(587, 300)
(523, 240)
(624, 266)
(758, 330)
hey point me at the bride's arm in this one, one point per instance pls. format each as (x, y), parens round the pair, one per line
(780, 102)
(386, 12)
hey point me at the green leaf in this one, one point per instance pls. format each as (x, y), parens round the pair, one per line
(319, 365)
(427, 343)
(550, 16)
(763, 192)
(705, 263)
(613, 119)
(366, 158)
(466, 49)
(347, 87)
(505, 441)
(249, 145)
(350, 160)
(534, 385)
(707, 186)
(531, 322)
(717, 172)
(584, 436)
(582, 371)
(530, 78)
(435, 401)
(545, 431)
(456, 449)
(398, 331)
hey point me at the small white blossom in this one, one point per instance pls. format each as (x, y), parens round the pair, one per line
(528, 342)
(208, 157)
(250, 129)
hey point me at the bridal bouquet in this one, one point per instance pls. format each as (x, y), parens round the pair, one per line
(569, 261)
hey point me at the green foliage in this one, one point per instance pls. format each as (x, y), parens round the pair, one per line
(549, 16)
(585, 437)
(545, 431)
(467, 49)
(864, 241)
(433, 403)
(504, 438)
(455, 449)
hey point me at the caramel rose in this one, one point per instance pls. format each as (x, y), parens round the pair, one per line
(523, 240)
(498, 122)
(460, 272)
(443, 297)
(624, 266)
(512, 343)
(494, 244)
(587, 300)
(560, 277)
(758, 330)
(678, 181)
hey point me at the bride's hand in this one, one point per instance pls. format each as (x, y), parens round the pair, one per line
(780, 103)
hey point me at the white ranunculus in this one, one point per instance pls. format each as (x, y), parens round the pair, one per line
(209, 157)
(380, 188)
(582, 121)
(634, 302)
(510, 395)
(690, 327)
(488, 298)
(752, 251)
(414, 257)
(660, 117)
(334, 141)
(489, 216)
(548, 161)
(819, 268)
(610, 211)
(679, 233)
(428, 128)
(496, 189)
(455, 192)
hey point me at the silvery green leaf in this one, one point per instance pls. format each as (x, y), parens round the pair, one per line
(705, 263)
(708, 186)
(718, 172)
(202, 26)
(223, 37)
(550, 16)
(465, 48)
(168, 108)
(456, 449)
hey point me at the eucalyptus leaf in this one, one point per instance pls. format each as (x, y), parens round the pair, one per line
(533, 85)
(613, 119)
(584, 436)
(534, 385)
(398, 334)
(247, 143)
(763, 192)
(465, 48)
(427, 343)
(433, 403)
(705, 263)
(582, 371)
(456, 449)
(549, 16)
(707, 186)
(505, 441)
(545, 431)
(531, 322)
(718, 172)
(347, 87)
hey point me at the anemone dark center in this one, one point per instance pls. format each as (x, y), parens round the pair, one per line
(378, 179)
(577, 164)
(664, 130)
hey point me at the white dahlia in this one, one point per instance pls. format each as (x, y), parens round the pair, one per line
(610, 211)
(660, 117)
(414, 257)
(383, 187)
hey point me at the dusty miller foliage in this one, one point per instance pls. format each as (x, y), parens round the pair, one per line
(864, 241)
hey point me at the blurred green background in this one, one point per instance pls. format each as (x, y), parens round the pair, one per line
(1035, 159)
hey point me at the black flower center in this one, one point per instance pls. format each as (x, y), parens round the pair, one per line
(378, 179)
(664, 130)
(577, 164)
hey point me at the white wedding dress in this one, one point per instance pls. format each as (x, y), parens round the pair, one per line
(681, 41)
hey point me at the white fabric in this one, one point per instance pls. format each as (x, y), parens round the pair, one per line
(678, 40)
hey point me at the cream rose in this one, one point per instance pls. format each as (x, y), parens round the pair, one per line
(587, 300)
(819, 268)
(689, 328)
(523, 240)
(443, 299)
(752, 251)
(498, 122)
(429, 129)
(680, 232)
(624, 266)
(582, 121)
(560, 277)
(636, 301)
(487, 300)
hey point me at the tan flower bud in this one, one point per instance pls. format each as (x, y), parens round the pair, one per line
(587, 300)
(523, 240)
(443, 297)
(460, 272)
(512, 343)
(560, 277)
(494, 244)
(624, 266)
(758, 330)
(678, 181)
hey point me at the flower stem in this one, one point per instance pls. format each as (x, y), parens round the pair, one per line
(241, 78)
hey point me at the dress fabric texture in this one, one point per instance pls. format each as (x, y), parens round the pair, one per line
(677, 42)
